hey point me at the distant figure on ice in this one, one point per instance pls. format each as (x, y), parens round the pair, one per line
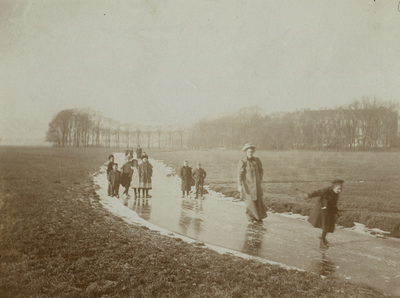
(250, 175)
(114, 178)
(138, 153)
(129, 152)
(135, 180)
(144, 154)
(145, 174)
(198, 176)
(324, 213)
(185, 173)
(110, 163)
(126, 174)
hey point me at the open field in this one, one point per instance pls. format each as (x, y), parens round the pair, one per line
(370, 195)
(56, 240)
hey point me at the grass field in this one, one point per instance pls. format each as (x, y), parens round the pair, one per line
(370, 195)
(56, 240)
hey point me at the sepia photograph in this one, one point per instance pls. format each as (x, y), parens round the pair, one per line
(199, 148)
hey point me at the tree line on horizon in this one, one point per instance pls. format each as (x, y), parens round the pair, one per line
(362, 124)
(88, 128)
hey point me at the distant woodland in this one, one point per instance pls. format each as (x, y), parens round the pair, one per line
(364, 124)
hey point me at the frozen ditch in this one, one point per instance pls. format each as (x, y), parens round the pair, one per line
(283, 239)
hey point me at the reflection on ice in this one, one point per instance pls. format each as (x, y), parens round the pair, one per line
(191, 216)
(141, 207)
(254, 239)
(324, 266)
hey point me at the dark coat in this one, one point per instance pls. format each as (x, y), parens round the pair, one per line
(115, 178)
(139, 153)
(250, 175)
(324, 218)
(186, 176)
(126, 173)
(109, 167)
(145, 172)
(199, 175)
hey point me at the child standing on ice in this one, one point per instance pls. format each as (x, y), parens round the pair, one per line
(110, 163)
(114, 179)
(135, 182)
(145, 174)
(324, 213)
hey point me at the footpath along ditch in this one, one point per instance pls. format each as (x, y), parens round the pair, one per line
(290, 241)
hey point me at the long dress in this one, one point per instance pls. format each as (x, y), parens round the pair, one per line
(145, 173)
(135, 182)
(250, 175)
(126, 174)
(324, 218)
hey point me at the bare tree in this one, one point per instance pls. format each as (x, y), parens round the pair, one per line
(180, 129)
(159, 133)
(138, 132)
(127, 133)
(148, 132)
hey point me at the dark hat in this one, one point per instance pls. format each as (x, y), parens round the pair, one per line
(247, 146)
(110, 156)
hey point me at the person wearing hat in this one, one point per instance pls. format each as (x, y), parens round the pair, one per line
(185, 173)
(250, 175)
(324, 213)
(145, 174)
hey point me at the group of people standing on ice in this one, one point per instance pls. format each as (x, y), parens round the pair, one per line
(250, 175)
(134, 172)
(137, 173)
(191, 178)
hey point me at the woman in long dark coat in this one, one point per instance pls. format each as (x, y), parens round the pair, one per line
(145, 174)
(126, 174)
(185, 173)
(323, 214)
(250, 175)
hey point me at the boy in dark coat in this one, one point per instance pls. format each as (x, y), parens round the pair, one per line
(198, 176)
(324, 213)
(185, 173)
(114, 178)
(110, 163)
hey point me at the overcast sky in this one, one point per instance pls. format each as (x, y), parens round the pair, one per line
(163, 62)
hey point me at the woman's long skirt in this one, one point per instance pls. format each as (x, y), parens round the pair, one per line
(125, 180)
